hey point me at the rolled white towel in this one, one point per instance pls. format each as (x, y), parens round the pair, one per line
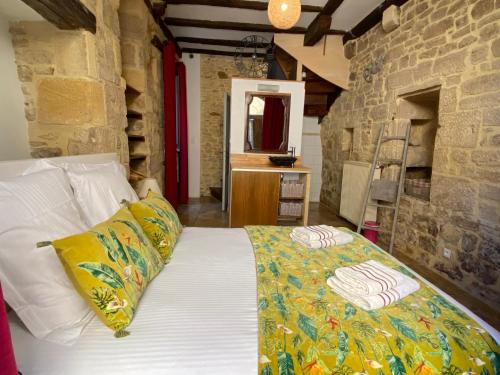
(375, 301)
(369, 278)
(315, 232)
(338, 240)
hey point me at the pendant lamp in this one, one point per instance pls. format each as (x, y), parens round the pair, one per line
(284, 14)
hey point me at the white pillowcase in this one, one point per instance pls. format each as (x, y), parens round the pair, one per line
(40, 207)
(98, 188)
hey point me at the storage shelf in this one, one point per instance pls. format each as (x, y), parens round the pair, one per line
(132, 90)
(136, 137)
(137, 156)
(289, 218)
(131, 114)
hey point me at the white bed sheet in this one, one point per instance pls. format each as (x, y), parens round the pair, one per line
(199, 316)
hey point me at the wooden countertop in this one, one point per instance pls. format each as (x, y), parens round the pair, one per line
(238, 165)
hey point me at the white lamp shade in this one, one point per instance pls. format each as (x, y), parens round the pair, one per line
(147, 184)
(284, 14)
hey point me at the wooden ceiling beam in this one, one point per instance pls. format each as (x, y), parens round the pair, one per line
(217, 52)
(153, 10)
(240, 4)
(215, 42)
(371, 20)
(225, 25)
(317, 29)
(65, 14)
(320, 26)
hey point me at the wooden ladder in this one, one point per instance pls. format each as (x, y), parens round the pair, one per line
(383, 189)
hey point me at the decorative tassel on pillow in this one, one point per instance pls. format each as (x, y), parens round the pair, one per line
(7, 360)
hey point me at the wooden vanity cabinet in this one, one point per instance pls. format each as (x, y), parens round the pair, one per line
(254, 198)
(256, 193)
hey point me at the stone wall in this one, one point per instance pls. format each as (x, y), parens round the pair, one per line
(216, 74)
(143, 70)
(71, 80)
(452, 46)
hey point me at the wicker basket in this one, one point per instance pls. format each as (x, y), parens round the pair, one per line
(418, 187)
(292, 190)
(291, 209)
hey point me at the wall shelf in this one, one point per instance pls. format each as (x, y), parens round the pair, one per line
(289, 218)
(131, 114)
(136, 137)
(138, 156)
(132, 90)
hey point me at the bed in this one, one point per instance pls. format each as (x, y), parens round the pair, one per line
(199, 316)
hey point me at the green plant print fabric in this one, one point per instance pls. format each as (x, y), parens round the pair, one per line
(159, 221)
(111, 266)
(305, 328)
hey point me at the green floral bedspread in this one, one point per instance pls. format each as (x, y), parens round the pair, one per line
(304, 328)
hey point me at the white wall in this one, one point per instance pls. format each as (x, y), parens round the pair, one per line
(239, 88)
(311, 154)
(193, 77)
(13, 125)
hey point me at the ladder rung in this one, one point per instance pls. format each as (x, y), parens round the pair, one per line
(390, 161)
(394, 138)
(381, 205)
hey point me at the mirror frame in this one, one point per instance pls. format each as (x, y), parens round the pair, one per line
(286, 129)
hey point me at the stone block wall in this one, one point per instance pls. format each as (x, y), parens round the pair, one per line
(454, 46)
(142, 69)
(71, 80)
(216, 74)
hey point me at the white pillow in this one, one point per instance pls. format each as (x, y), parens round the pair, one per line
(98, 188)
(40, 207)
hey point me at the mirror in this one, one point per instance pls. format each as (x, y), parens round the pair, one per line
(267, 120)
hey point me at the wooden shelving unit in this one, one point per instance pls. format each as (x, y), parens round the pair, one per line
(137, 156)
(292, 198)
(256, 192)
(136, 137)
(134, 114)
(137, 142)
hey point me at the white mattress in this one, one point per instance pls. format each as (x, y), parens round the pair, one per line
(199, 316)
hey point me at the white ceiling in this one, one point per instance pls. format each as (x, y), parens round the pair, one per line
(16, 10)
(348, 15)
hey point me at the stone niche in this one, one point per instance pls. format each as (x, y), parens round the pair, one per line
(422, 109)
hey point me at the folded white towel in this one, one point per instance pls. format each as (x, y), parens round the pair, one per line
(369, 278)
(375, 301)
(338, 240)
(315, 232)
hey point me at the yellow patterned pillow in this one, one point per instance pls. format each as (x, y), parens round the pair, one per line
(110, 266)
(159, 221)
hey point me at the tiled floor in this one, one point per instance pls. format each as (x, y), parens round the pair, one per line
(206, 212)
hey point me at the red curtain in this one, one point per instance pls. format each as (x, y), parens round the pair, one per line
(273, 123)
(183, 135)
(171, 185)
(7, 360)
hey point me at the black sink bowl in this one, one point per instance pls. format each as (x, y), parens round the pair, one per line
(283, 161)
